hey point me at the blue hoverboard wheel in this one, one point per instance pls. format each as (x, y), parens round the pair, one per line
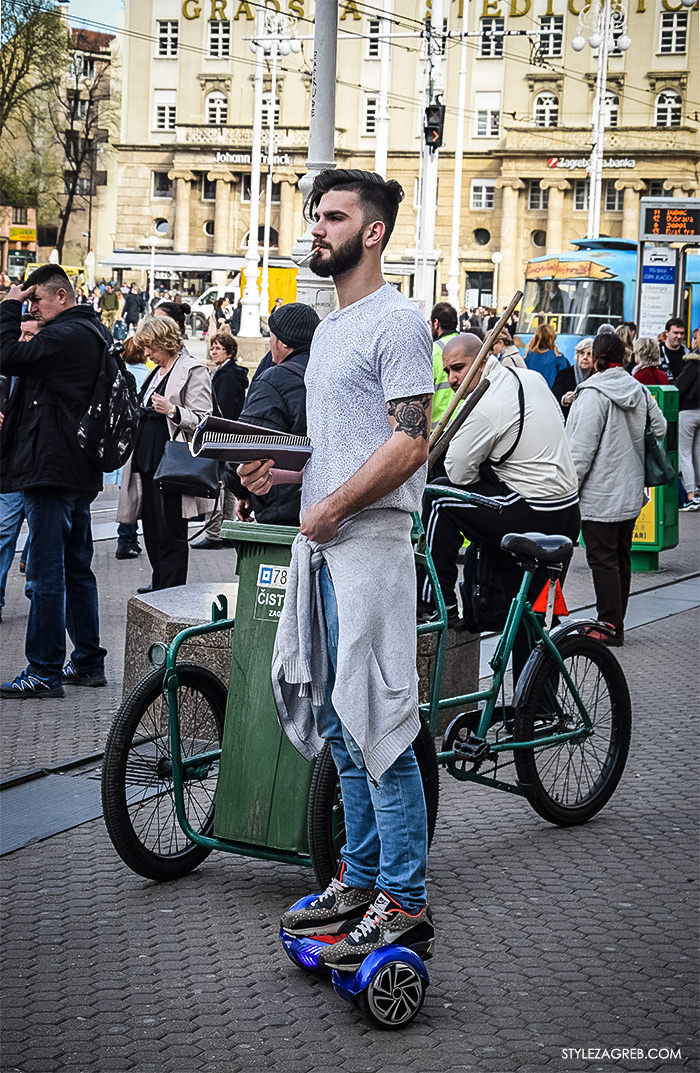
(389, 986)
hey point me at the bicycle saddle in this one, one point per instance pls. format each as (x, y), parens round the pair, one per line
(545, 549)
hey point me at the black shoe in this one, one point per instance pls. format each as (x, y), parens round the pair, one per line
(207, 544)
(427, 613)
(129, 552)
(339, 907)
(384, 924)
(145, 588)
(75, 678)
(31, 685)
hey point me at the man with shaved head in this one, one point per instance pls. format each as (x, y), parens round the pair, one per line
(511, 449)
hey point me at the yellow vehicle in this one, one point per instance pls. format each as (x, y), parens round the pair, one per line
(77, 276)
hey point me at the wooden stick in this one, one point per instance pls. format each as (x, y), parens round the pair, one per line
(466, 386)
(443, 441)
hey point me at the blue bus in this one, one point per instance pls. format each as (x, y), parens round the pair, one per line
(594, 284)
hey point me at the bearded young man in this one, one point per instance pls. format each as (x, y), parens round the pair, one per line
(369, 386)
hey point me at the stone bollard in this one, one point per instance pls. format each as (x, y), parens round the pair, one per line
(159, 616)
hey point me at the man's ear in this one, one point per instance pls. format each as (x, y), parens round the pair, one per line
(375, 233)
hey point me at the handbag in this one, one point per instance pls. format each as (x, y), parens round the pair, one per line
(179, 471)
(658, 467)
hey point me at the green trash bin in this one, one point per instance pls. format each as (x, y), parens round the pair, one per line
(656, 528)
(263, 786)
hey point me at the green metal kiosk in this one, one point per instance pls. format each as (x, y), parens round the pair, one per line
(656, 528)
(263, 788)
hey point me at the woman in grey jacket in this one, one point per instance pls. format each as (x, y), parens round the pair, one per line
(606, 436)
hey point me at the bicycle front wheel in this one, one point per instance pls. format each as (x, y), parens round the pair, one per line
(567, 784)
(138, 794)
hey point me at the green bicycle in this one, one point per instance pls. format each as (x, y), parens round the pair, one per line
(561, 742)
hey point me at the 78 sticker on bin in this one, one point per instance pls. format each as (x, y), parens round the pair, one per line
(272, 577)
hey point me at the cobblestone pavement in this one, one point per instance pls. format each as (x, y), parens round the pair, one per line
(548, 939)
(39, 733)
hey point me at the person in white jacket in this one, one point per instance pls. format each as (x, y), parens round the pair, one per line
(606, 436)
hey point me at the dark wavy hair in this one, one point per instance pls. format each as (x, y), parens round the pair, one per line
(378, 198)
(177, 311)
(608, 349)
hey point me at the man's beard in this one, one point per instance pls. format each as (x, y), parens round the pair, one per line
(343, 259)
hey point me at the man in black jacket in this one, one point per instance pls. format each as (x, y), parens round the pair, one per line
(41, 457)
(133, 307)
(277, 399)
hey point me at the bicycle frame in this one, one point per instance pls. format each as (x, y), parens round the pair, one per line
(520, 612)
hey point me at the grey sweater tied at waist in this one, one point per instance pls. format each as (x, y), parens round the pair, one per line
(376, 684)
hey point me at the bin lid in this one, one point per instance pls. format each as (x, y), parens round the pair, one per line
(258, 533)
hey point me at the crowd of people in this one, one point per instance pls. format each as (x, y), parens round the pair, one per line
(558, 447)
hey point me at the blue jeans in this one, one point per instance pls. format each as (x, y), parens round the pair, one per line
(11, 518)
(127, 534)
(63, 586)
(385, 823)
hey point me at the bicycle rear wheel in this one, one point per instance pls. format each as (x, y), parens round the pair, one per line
(138, 795)
(326, 817)
(567, 784)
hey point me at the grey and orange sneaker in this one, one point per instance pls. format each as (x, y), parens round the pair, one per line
(384, 923)
(336, 910)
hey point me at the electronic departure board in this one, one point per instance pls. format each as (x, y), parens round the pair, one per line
(671, 222)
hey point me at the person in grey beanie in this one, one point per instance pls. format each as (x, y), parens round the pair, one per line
(277, 399)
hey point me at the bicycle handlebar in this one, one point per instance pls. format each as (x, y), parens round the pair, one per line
(463, 497)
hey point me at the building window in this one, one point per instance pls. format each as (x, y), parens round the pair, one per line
(614, 199)
(77, 108)
(582, 189)
(546, 113)
(46, 236)
(245, 191)
(668, 109)
(612, 109)
(83, 187)
(165, 117)
(86, 66)
(482, 237)
(19, 215)
(219, 37)
(551, 35)
(656, 188)
(208, 188)
(165, 108)
(674, 32)
(208, 228)
(217, 109)
(539, 238)
(265, 110)
(162, 186)
(370, 124)
(492, 38)
(373, 40)
(483, 193)
(167, 36)
(537, 198)
(488, 115)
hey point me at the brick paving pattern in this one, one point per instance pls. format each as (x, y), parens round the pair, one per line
(547, 938)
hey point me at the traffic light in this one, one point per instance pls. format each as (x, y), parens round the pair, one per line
(434, 125)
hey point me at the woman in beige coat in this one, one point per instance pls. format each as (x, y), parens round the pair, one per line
(174, 399)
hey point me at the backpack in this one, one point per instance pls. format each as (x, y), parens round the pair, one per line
(107, 429)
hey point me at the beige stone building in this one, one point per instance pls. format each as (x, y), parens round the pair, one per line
(185, 144)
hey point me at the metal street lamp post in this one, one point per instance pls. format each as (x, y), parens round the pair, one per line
(317, 292)
(605, 25)
(453, 277)
(250, 299)
(279, 40)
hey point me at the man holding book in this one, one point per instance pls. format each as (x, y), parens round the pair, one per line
(369, 388)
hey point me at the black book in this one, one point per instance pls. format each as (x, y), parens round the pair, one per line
(239, 441)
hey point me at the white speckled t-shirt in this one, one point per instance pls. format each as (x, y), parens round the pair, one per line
(362, 357)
